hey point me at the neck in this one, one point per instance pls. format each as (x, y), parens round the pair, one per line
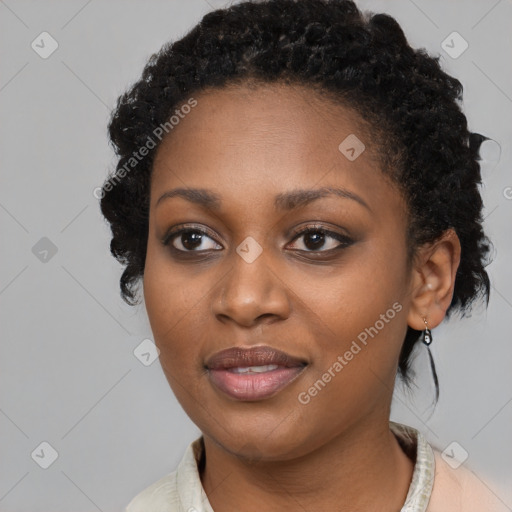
(364, 469)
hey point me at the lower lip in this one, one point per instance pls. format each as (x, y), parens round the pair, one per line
(254, 386)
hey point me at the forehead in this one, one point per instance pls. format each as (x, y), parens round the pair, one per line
(274, 115)
(245, 140)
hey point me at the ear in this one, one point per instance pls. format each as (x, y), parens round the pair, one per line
(433, 280)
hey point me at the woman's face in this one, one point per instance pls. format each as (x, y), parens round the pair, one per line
(335, 300)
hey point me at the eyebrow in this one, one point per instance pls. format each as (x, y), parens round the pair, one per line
(283, 201)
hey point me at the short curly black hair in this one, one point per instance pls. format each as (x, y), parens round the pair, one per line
(359, 59)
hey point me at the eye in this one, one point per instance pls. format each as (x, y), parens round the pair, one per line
(188, 239)
(317, 237)
(193, 239)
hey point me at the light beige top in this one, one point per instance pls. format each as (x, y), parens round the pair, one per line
(435, 485)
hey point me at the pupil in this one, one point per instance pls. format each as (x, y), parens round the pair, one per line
(195, 236)
(316, 243)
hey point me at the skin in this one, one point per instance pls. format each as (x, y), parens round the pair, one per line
(248, 145)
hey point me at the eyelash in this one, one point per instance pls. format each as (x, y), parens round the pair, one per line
(344, 240)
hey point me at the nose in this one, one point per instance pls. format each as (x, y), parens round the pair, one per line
(251, 293)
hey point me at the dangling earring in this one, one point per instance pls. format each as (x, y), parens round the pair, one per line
(427, 334)
(427, 340)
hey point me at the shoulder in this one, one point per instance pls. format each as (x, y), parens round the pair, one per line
(161, 496)
(461, 490)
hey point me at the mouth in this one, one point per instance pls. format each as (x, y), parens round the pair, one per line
(251, 374)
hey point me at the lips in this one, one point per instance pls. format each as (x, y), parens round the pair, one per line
(256, 356)
(255, 373)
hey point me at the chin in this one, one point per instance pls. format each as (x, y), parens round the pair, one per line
(262, 439)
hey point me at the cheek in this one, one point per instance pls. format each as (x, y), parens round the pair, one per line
(175, 303)
(178, 327)
(358, 314)
(365, 329)
(354, 295)
(356, 352)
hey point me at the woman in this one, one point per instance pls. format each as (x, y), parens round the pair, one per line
(298, 189)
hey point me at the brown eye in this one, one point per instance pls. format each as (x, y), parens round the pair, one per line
(317, 239)
(191, 240)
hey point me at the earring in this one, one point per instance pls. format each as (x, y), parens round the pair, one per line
(427, 334)
(427, 340)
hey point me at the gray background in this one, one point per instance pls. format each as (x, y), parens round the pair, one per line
(68, 374)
